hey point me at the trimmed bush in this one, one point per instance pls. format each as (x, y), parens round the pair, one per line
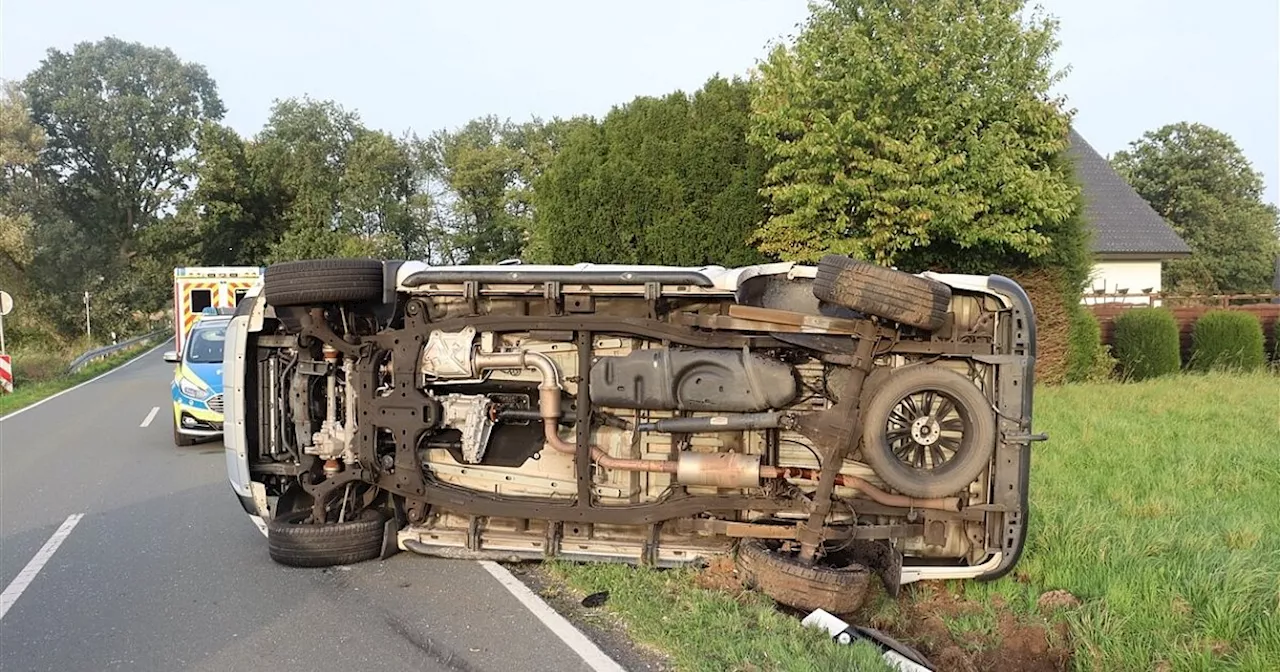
(1146, 343)
(1230, 340)
(1087, 358)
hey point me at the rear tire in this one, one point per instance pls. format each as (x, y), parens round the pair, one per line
(883, 292)
(838, 590)
(293, 542)
(319, 281)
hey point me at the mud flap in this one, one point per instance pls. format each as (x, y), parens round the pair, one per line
(390, 535)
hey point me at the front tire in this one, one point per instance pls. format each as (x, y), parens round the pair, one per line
(293, 542)
(321, 281)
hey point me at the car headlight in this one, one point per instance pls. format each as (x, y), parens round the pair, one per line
(191, 390)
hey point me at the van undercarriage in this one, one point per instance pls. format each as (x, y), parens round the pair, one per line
(650, 415)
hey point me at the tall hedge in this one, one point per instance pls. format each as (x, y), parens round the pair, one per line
(1146, 343)
(666, 180)
(1227, 339)
(1087, 357)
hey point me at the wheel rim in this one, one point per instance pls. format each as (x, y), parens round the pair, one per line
(926, 429)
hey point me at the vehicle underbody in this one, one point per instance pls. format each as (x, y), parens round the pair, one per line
(647, 415)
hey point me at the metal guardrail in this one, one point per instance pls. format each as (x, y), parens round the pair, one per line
(106, 351)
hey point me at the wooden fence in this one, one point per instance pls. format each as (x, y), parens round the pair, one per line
(1187, 309)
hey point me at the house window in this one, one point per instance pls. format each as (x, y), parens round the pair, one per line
(201, 299)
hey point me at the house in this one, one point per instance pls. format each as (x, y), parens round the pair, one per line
(1130, 239)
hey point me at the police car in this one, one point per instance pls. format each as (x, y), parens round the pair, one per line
(197, 382)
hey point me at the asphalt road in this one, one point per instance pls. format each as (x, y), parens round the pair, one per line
(165, 572)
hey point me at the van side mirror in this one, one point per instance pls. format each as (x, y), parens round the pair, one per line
(171, 357)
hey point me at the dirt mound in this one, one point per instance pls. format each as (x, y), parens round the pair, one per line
(720, 574)
(961, 635)
(955, 633)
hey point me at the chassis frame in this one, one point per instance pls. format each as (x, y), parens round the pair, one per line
(402, 413)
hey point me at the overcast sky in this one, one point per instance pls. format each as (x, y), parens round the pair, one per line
(429, 64)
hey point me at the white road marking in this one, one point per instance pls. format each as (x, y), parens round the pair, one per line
(571, 636)
(24, 409)
(150, 416)
(24, 578)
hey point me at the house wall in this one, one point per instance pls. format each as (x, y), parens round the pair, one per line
(1111, 276)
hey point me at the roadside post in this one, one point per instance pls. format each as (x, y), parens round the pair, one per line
(6, 364)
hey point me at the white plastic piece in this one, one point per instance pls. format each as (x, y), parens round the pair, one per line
(842, 633)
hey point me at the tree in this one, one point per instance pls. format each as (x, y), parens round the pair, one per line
(317, 183)
(234, 215)
(379, 196)
(1197, 178)
(120, 118)
(304, 153)
(21, 141)
(666, 180)
(895, 127)
(477, 171)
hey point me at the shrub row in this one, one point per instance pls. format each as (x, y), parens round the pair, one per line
(1147, 344)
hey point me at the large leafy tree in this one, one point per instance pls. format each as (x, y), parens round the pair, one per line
(1197, 178)
(317, 183)
(121, 121)
(20, 143)
(304, 150)
(121, 118)
(666, 180)
(479, 174)
(897, 127)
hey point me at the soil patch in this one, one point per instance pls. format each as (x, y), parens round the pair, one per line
(721, 574)
(961, 635)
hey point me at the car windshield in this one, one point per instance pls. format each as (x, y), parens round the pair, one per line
(205, 345)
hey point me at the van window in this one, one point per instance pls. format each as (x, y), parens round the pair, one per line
(201, 299)
(240, 295)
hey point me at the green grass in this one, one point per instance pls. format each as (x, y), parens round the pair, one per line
(30, 389)
(711, 630)
(1157, 504)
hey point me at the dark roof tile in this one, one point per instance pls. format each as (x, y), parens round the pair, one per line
(1123, 222)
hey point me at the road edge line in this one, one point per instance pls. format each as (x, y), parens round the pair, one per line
(28, 574)
(582, 645)
(80, 385)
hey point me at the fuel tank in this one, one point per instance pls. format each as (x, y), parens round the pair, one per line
(692, 380)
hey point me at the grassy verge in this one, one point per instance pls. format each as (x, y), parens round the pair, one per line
(1156, 505)
(49, 377)
(707, 630)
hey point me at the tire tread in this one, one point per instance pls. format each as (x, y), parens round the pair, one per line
(883, 292)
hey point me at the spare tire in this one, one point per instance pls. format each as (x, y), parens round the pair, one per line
(318, 281)
(838, 590)
(294, 542)
(918, 415)
(882, 292)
